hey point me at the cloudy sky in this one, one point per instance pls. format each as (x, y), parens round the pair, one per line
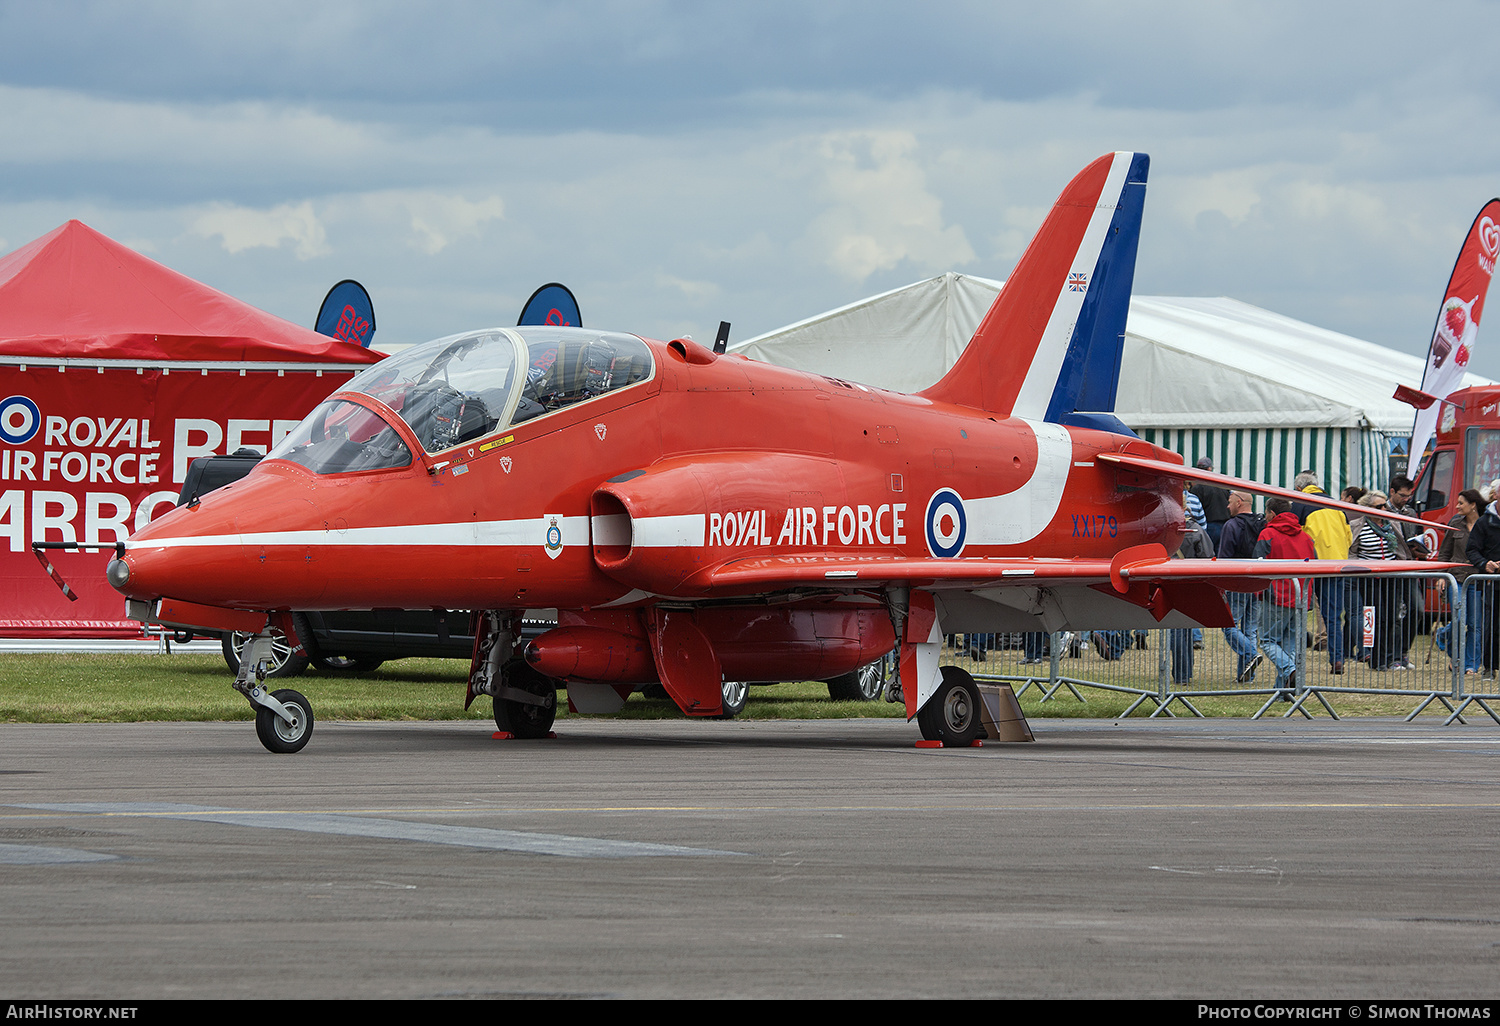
(678, 164)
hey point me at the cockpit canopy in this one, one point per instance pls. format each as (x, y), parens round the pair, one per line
(456, 389)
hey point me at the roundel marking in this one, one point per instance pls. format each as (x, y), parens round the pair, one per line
(19, 420)
(947, 524)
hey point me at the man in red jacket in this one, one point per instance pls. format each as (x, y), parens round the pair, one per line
(1282, 631)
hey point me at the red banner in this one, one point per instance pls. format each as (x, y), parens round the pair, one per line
(91, 454)
(1457, 326)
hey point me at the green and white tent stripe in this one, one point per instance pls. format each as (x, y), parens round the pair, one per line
(1274, 456)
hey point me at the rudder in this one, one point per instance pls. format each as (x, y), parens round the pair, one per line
(1051, 343)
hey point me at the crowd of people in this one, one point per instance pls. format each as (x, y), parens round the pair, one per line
(1222, 522)
(1265, 624)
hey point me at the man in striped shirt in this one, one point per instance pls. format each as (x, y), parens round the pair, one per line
(1378, 540)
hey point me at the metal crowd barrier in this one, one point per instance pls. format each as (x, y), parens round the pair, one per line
(1474, 637)
(1419, 636)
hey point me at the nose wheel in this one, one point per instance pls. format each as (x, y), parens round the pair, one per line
(288, 729)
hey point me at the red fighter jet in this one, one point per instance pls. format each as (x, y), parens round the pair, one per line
(697, 517)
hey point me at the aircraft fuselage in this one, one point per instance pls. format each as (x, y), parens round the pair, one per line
(625, 499)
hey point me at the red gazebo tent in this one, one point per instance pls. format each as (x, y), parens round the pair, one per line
(116, 371)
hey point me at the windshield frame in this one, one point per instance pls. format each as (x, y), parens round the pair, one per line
(399, 371)
(392, 419)
(415, 374)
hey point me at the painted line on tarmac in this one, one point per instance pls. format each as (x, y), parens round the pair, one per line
(167, 810)
(389, 829)
(41, 855)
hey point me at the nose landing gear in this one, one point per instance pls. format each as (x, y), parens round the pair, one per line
(283, 719)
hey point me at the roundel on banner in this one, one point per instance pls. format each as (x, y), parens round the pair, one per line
(19, 420)
(947, 524)
(1430, 539)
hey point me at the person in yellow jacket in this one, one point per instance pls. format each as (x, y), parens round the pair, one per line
(1329, 531)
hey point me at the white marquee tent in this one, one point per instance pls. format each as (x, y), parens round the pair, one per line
(1261, 394)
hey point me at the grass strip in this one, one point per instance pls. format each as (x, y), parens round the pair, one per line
(133, 687)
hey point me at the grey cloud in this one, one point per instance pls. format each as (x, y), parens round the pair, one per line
(651, 65)
(664, 159)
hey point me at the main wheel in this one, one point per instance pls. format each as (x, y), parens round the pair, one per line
(735, 694)
(523, 719)
(276, 734)
(865, 684)
(283, 662)
(952, 714)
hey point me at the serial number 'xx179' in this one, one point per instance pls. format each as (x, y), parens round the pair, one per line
(1095, 525)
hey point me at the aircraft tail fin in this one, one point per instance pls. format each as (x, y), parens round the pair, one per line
(1050, 345)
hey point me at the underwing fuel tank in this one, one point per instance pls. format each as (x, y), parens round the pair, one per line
(592, 654)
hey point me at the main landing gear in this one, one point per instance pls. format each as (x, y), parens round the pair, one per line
(284, 718)
(525, 700)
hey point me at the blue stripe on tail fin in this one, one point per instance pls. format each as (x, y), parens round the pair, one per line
(1091, 372)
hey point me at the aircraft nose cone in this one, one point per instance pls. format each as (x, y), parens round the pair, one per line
(145, 576)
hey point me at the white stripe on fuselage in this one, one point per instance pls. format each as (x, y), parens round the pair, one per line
(650, 532)
(1041, 377)
(1021, 515)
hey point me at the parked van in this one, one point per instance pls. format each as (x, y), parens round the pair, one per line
(1465, 454)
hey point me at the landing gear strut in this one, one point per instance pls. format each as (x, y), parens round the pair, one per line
(525, 700)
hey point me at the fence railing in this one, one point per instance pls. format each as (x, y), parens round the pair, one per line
(1421, 636)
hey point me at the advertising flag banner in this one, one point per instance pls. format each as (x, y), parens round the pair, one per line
(347, 313)
(551, 304)
(1457, 326)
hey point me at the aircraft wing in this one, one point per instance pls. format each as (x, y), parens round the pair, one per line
(1161, 468)
(1139, 588)
(843, 570)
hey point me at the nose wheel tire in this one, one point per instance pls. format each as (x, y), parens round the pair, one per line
(951, 715)
(277, 734)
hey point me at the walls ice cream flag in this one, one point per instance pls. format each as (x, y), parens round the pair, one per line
(1457, 328)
